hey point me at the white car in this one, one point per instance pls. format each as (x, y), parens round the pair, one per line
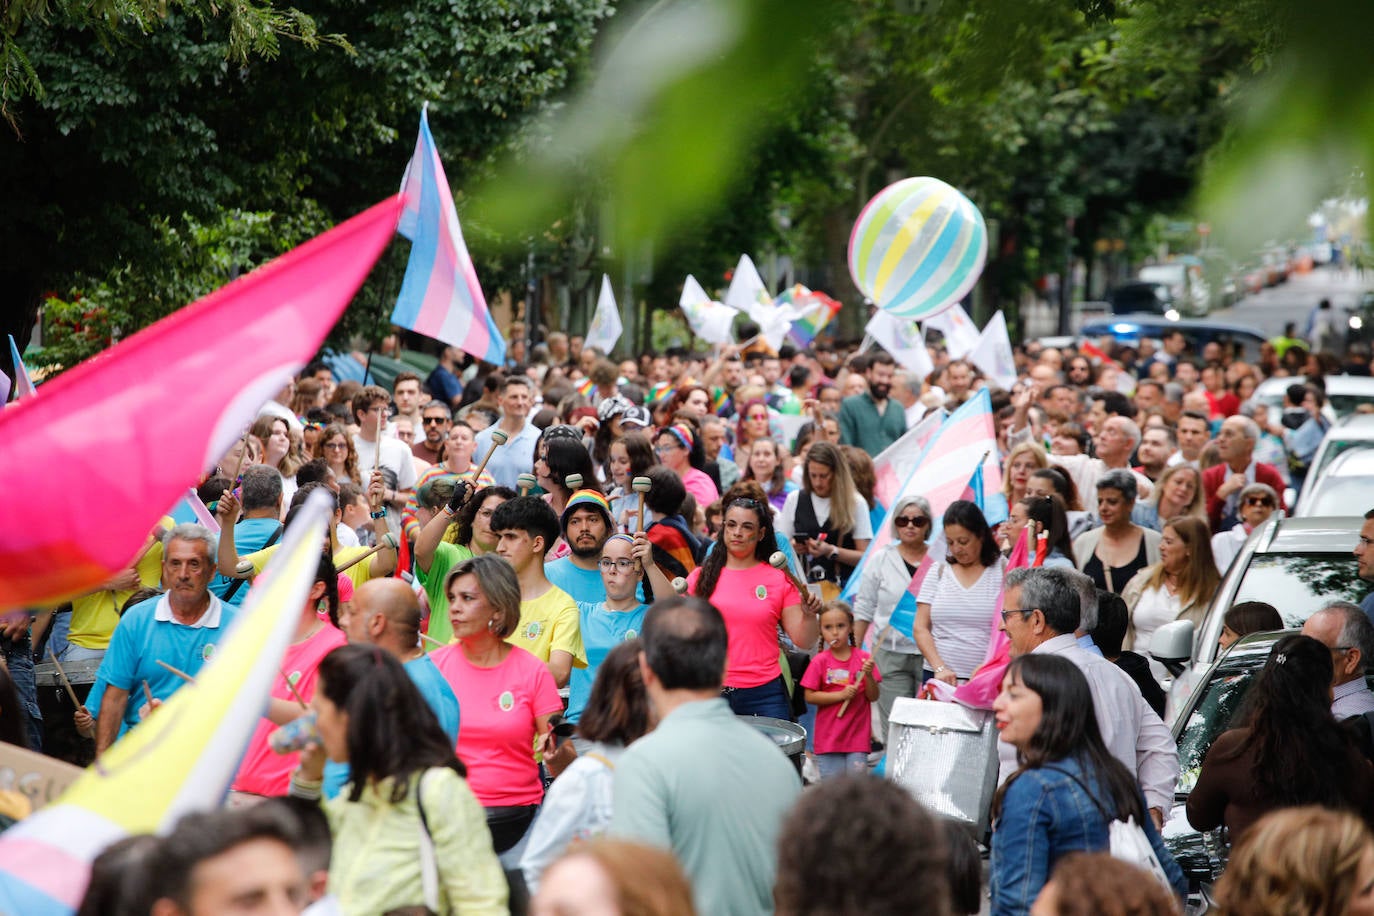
(1347, 485)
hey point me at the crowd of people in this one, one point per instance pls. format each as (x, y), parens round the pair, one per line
(559, 598)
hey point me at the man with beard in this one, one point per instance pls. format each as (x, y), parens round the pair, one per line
(587, 522)
(872, 421)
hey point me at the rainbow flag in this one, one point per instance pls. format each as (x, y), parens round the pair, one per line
(141, 421)
(23, 384)
(180, 759)
(585, 387)
(816, 311)
(440, 296)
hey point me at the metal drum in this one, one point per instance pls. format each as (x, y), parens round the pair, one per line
(82, 672)
(945, 755)
(788, 736)
(60, 737)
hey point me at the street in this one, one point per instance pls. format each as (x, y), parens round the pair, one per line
(1292, 301)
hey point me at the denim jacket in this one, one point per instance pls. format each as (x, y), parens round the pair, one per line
(1046, 814)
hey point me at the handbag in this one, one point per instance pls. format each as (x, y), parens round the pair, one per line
(1126, 840)
(429, 861)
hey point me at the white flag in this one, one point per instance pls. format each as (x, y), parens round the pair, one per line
(710, 321)
(748, 294)
(993, 353)
(903, 339)
(606, 328)
(961, 334)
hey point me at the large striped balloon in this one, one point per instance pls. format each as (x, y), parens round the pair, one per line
(917, 248)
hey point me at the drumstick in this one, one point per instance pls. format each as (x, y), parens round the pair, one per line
(427, 637)
(363, 556)
(641, 485)
(62, 676)
(498, 439)
(845, 704)
(292, 687)
(177, 671)
(148, 695)
(779, 562)
(526, 483)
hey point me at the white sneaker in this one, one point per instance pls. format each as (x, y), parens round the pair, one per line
(811, 774)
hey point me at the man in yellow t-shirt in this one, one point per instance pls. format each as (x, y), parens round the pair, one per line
(525, 528)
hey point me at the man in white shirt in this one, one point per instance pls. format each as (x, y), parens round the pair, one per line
(1346, 630)
(376, 450)
(1041, 613)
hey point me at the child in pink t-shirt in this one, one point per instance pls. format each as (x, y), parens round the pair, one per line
(837, 674)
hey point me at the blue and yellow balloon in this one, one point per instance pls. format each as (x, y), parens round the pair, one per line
(917, 248)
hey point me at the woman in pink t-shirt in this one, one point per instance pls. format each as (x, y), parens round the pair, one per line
(754, 598)
(506, 696)
(679, 449)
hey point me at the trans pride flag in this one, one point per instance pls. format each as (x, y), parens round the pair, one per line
(182, 758)
(440, 296)
(23, 385)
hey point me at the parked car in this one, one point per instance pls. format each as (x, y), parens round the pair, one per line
(1344, 393)
(1198, 332)
(1295, 564)
(1207, 712)
(1346, 485)
(1142, 298)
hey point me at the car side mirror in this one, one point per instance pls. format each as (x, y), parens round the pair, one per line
(1172, 645)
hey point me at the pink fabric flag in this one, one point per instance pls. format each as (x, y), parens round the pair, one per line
(143, 420)
(986, 683)
(440, 296)
(895, 463)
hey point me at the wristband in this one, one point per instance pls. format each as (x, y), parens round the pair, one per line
(381, 514)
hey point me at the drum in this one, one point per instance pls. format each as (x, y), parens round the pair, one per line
(60, 737)
(945, 755)
(789, 737)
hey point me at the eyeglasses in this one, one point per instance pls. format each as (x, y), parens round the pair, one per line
(436, 420)
(665, 449)
(919, 521)
(1259, 501)
(1023, 611)
(623, 564)
(336, 445)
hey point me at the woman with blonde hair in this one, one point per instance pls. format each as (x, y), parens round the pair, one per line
(1178, 587)
(1022, 461)
(1177, 492)
(1307, 860)
(827, 519)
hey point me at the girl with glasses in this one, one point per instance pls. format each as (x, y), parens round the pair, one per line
(885, 584)
(336, 447)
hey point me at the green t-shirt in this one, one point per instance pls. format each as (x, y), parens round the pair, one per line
(446, 556)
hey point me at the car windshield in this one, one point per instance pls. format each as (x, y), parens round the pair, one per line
(1335, 495)
(1345, 404)
(1210, 718)
(1299, 584)
(1335, 448)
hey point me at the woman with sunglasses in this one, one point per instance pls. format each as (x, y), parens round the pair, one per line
(336, 447)
(1257, 502)
(886, 583)
(754, 598)
(678, 448)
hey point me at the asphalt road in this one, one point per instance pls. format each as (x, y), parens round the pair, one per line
(1270, 309)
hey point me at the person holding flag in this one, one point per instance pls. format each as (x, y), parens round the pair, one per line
(886, 602)
(959, 597)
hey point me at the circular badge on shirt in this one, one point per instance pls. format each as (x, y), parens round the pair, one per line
(630, 634)
(293, 678)
(207, 652)
(506, 701)
(761, 593)
(533, 629)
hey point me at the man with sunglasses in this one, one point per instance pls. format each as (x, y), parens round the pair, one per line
(435, 421)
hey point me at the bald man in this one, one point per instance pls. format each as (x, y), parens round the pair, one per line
(385, 613)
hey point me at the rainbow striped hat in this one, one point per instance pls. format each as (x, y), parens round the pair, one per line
(588, 498)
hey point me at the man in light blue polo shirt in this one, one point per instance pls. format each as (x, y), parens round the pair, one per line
(516, 457)
(703, 784)
(180, 628)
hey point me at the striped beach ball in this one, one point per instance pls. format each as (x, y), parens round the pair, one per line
(917, 248)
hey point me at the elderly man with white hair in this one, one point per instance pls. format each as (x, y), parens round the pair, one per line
(1346, 630)
(1224, 482)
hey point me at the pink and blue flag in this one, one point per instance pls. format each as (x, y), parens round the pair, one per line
(440, 296)
(143, 420)
(23, 385)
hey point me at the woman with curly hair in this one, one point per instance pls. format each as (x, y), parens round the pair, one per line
(1288, 752)
(336, 447)
(1306, 860)
(754, 598)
